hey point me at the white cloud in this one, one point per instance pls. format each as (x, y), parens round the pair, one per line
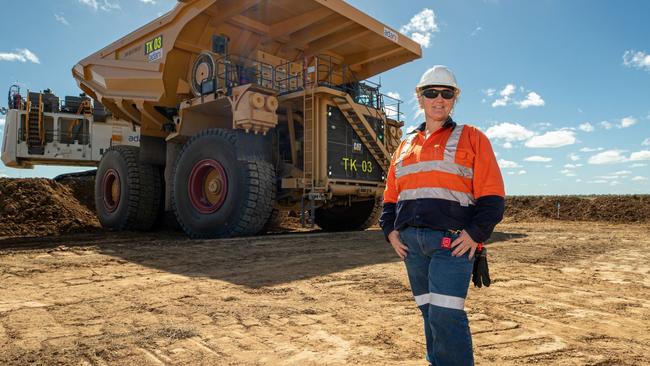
(507, 164)
(616, 156)
(507, 90)
(623, 123)
(539, 159)
(148, 1)
(552, 139)
(637, 60)
(421, 26)
(489, 92)
(640, 155)
(92, 3)
(476, 31)
(2, 121)
(505, 94)
(646, 142)
(411, 128)
(500, 102)
(607, 125)
(572, 166)
(574, 157)
(423, 39)
(104, 5)
(507, 145)
(599, 181)
(390, 107)
(627, 122)
(638, 165)
(586, 127)
(590, 149)
(21, 55)
(532, 100)
(639, 178)
(418, 112)
(521, 172)
(607, 157)
(59, 18)
(614, 176)
(509, 132)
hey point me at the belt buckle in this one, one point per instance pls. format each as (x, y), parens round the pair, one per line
(454, 232)
(445, 243)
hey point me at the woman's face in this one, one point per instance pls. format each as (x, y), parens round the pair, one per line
(432, 100)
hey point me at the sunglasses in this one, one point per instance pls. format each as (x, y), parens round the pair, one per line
(433, 93)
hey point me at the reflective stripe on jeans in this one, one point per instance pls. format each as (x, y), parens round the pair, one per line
(445, 301)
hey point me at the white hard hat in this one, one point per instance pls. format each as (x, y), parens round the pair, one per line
(438, 75)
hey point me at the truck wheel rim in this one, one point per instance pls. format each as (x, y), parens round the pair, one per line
(112, 190)
(208, 186)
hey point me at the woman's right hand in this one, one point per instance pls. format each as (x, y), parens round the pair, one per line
(400, 248)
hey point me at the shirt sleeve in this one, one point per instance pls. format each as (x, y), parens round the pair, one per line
(387, 219)
(489, 190)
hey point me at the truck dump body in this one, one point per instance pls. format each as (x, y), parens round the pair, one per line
(147, 71)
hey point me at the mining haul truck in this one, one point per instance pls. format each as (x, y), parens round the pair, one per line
(42, 130)
(247, 108)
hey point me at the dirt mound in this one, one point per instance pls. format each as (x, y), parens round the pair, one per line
(39, 207)
(623, 209)
(83, 189)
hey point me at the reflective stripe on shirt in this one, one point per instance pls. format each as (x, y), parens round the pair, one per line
(465, 199)
(439, 165)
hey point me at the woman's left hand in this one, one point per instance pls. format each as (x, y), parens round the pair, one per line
(463, 243)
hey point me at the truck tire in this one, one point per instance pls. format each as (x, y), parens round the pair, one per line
(359, 216)
(215, 195)
(274, 221)
(127, 192)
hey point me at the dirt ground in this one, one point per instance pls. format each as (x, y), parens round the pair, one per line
(564, 293)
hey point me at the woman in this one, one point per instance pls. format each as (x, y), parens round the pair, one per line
(444, 195)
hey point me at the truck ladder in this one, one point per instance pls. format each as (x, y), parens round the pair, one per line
(35, 129)
(85, 109)
(308, 140)
(366, 134)
(309, 114)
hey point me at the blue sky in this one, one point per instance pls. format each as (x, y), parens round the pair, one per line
(562, 88)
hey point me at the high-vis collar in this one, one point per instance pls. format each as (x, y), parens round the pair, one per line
(448, 123)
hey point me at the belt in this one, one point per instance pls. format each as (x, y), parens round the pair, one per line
(448, 232)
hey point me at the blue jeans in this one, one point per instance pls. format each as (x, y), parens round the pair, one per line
(439, 283)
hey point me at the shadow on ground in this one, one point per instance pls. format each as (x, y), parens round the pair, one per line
(253, 262)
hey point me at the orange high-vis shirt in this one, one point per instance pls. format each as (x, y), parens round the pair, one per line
(450, 180)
